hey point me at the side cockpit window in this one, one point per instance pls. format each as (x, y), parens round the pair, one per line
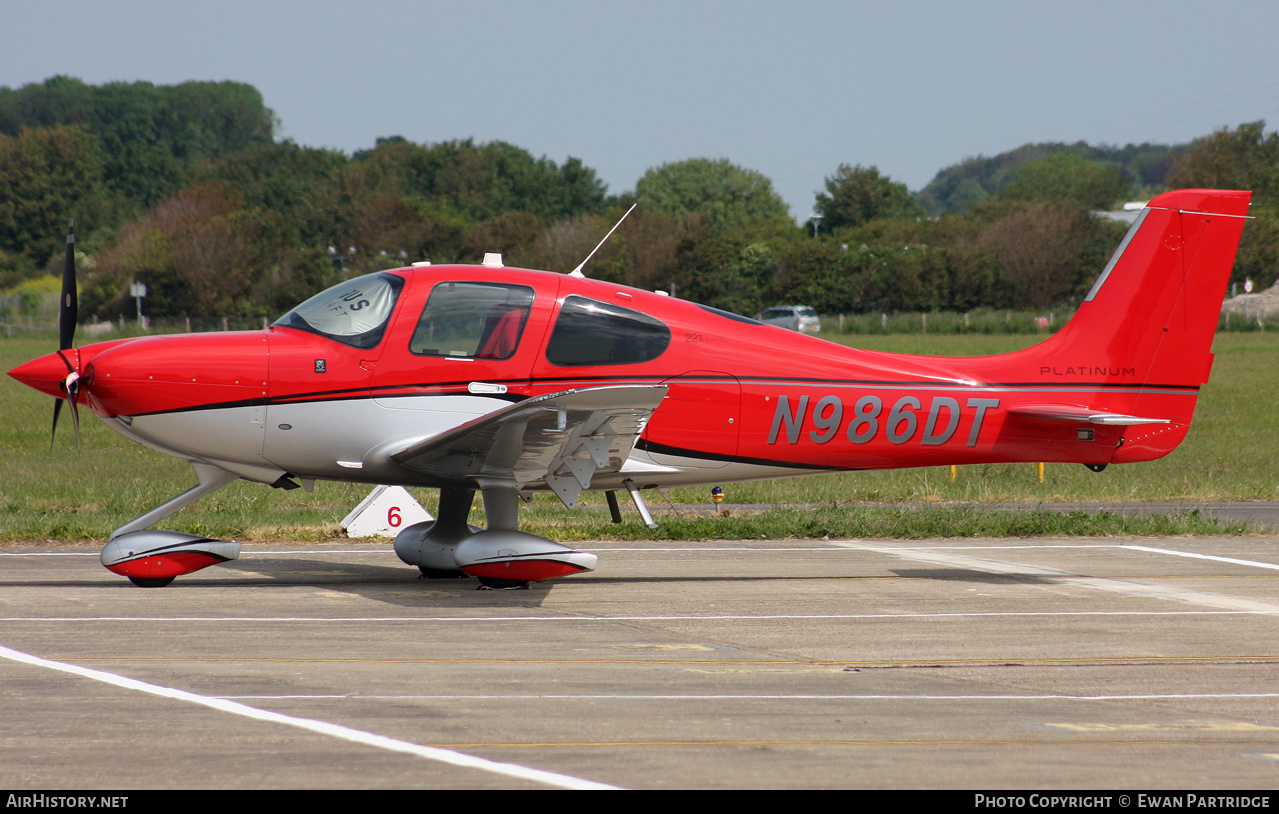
(472, 321)
(354, 313)
(589, 332)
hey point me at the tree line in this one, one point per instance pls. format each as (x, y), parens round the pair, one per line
(185, 189)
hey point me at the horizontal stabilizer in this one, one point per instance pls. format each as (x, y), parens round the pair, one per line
(1075, 414)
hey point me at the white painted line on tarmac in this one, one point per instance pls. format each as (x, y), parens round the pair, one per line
(321, 727)
(248, 552)
(1192, 555)
(1007, 547)
(1127, 587)
(590, 619)
(832, 546)
(245, 551)
(386, 551)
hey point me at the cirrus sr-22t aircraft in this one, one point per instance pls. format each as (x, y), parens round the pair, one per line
(510, 381)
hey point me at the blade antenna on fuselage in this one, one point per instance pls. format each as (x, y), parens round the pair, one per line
(577, 272)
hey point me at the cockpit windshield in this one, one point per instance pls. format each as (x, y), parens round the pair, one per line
(354, 313)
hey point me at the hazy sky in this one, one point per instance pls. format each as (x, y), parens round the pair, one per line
(789, 89)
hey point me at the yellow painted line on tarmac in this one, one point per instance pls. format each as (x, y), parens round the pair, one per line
(1010, 661)
(703, 698)
(1202, 727)
(745, 671)
(664, 647)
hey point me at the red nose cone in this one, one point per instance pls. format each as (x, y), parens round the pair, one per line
(44, 374)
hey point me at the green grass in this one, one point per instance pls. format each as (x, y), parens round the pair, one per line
(1232, 453)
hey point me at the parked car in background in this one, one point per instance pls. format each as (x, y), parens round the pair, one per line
(800, 318)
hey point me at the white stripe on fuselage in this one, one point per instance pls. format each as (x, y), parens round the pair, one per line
(309, 439)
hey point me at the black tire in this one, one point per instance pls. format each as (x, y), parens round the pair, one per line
(495, 584)
(150, 582)
(440, 573)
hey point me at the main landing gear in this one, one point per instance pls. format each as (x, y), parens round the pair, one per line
(501, 556)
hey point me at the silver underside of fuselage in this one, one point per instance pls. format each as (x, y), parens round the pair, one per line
(346, 440)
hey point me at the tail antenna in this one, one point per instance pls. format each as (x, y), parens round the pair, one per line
(577, 272)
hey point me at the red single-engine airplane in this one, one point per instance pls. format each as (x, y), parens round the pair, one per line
(510, 381)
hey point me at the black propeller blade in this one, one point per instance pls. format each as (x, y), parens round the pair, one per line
(68, 315)
(69, 305)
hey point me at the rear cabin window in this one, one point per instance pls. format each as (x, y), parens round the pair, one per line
(354, 313)
(472, 321)
(588, 332)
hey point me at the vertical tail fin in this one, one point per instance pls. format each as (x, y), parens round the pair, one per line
(1150, 317)
(1140, 344)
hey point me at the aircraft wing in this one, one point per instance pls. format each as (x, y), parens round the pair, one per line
(560, 439)
(1075, 413)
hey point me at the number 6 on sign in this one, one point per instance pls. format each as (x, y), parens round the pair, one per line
(383, 513)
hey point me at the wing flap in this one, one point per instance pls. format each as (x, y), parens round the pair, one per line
(560, 439)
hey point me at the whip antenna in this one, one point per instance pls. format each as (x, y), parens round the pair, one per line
(577, 272)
